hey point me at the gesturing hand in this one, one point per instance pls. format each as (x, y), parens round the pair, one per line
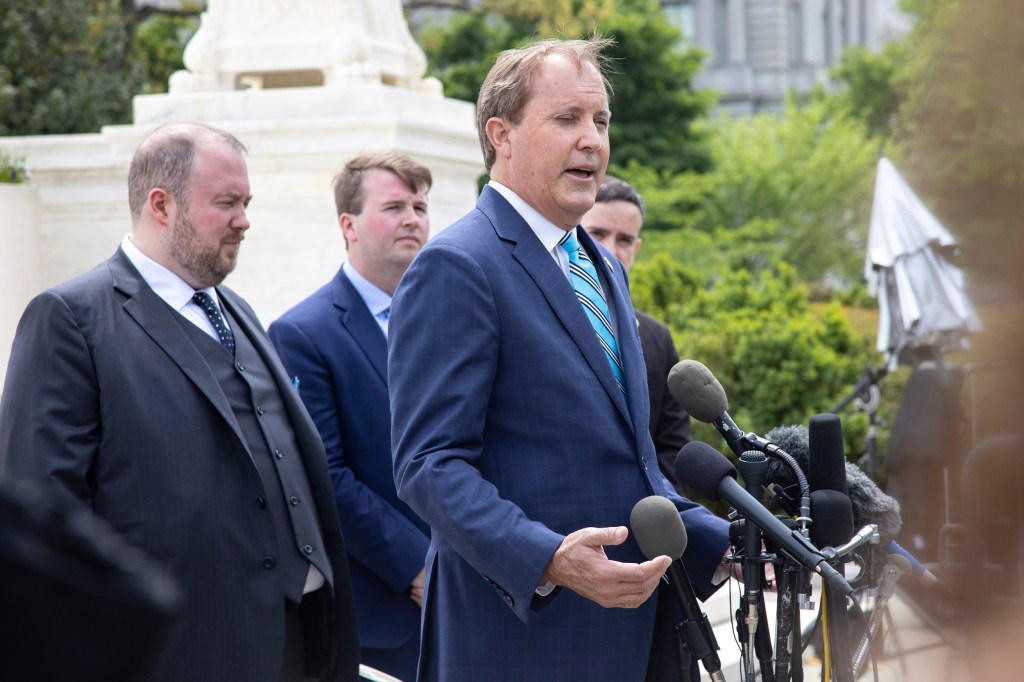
(581, 565)
(416, 589)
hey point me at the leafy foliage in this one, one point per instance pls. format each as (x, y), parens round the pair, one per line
(780, 358)
(63, 66)
(808, 169)
(72, 66)
(872, 86)
(654, 105)
(12, 168)
(158, 47)
(794, 187)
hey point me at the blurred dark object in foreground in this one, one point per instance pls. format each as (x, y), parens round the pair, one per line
(925, 453)
(76, 602)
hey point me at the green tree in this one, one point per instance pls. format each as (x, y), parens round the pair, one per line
(63, 66)
(72, 66)
(654, 104)
(793, 186)
(872, 86)
(158, 46)
(781, 358)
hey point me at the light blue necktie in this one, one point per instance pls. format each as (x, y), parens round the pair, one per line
(588, 290)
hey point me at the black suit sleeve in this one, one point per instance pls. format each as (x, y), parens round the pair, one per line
(49, 415)
(669, 423)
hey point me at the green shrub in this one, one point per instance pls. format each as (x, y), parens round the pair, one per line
(12, 168)
(780, 359)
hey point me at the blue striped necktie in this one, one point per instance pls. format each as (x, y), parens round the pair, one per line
(588, 290)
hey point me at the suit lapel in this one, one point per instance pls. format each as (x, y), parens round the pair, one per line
(305, 430)
(158, 320)
(555, 287)
(356, 318)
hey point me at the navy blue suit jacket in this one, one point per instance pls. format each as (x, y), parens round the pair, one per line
(331, 342)
(509, 433)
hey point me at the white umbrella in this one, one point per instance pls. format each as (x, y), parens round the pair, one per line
(920, 292)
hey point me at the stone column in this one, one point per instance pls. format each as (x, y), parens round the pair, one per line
(19, 260)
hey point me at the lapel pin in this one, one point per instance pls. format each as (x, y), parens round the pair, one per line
(609, 264)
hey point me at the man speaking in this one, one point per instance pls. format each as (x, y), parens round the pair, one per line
(520, 407)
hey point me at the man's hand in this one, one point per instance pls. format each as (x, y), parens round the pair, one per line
(581, 565)
(416, 589)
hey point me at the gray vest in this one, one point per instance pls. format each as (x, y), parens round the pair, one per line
(263, 419)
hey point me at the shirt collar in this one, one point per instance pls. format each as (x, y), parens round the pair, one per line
(549, 234)
(174, 291)
(376, 299)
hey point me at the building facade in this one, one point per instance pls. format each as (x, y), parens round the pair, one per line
(757, 50)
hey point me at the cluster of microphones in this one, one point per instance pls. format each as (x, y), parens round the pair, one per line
(830, 512)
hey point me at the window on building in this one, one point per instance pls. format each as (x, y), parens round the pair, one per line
(680, 14)
(796, 33)
(720, 42)
(828, 47)
(846, 28)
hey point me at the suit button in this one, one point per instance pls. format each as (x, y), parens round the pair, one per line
(294, 500)
(268, 562)
(308, 549)
(278, 454)
(261, 502)
(259, 410)
(240, 366)
(509, 600)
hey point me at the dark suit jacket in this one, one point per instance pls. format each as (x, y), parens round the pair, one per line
(339, 354)
(669, 425)
(108, 402)
(509, 433)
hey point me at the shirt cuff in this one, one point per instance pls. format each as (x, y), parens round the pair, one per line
(724, 570)
(545, 589)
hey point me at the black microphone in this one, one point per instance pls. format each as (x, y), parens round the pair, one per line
(702, 396)
(831, 507)
(659, 531)
(707, 471)
(697, 390)
(870, 505)
(826, 459)
(833, 518)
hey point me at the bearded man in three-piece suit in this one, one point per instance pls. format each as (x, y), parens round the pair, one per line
(148, 392)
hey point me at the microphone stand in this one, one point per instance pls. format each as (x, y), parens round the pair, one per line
(696, 639)
(837, 615)
(897, 567)
(837, 620)
(788, 659)
(753, 466)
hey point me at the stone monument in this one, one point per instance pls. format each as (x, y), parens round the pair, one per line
(306, 85)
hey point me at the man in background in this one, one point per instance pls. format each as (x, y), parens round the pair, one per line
(615, 222)
(148, 391)
(334, 344)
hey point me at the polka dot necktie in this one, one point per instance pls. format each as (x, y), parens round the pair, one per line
(588, 290)
(205, 301)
